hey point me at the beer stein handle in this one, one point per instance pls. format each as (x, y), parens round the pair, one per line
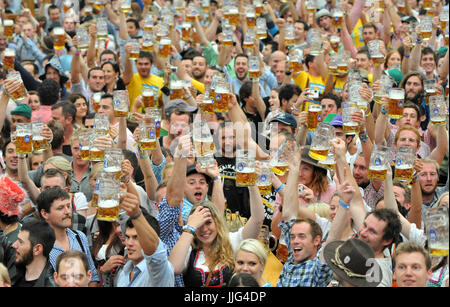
(274, 247)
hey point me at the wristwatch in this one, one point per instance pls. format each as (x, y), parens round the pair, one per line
(216, 178)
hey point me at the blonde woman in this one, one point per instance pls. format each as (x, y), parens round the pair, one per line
(251, 257)
(320, 208)
(204, 254)
(5, 280)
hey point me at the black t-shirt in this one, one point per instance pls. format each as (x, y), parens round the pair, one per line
(22, 283)
(237, 198)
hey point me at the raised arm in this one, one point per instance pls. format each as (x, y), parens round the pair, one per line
(147, 236)
(175, 186)
(254, 223)
(290, 199)
(438, 153)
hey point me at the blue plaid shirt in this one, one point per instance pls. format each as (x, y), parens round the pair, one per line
(54, 253)
(170, 230)
(311, 273)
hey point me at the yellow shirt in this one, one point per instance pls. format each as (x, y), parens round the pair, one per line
(306, 80)
(137, 83)
(357, 33)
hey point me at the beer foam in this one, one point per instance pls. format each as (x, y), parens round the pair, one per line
(109, 203)
(112, 169)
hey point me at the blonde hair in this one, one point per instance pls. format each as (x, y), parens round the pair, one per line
(321, 208)
(62, 165)
(221, 248)
(4, 275)
(410, 128)
(441, 198)
(255, 247)
(165, 170)
(96, 169)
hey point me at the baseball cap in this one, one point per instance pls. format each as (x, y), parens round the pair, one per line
(191, 169)
(178, 104)
(286, 119)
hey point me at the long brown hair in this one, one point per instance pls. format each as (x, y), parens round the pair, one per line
(221, 249)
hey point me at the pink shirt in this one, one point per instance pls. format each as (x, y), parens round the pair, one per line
(324, 197)
(44, 113)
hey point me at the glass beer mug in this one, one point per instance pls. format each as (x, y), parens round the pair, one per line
(264, 179)
(147, 97)
(279, 163)
(203, 140)
(245, 167)
(404, 164)
(20, 93)
(320, 145)
(24, 138)
(84, 140)
(40, 144)
(121, 103)
(438, 111)
(254, 71)
(101, 123)
(113, 162)
(147, 134)
(436, 226)
(108, 200)
(96, 154)
(314, 116)
(396, 102)
(154, 114)
(379, 162)
(8, 58)
(222, 96)
(59, 38)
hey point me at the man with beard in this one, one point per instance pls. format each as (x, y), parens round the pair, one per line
(428, 179)
(361, 171)
(27, 258)
(414, 91)
(267, 80)
(54, 206)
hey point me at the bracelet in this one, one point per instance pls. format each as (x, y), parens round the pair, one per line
(279, 188)
(189, 229)
(344, 205)
(217, 178)
(407, 56)
(137, 216)
(383, 111)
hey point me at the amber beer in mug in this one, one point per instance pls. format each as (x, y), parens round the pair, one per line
(207, 106)
(427, 4)
(8, 28)
(264, 179)
(335, 41)
(222, 98)
(8, 58)
(176, 89)
(147, 134)
(245, 167)
(233, 16)
(108, 201)
(40, 144)
(20, 93)
(314, 116)
(186, 31)
(164, 47)
(113, 162)
(24, 138)
(147, 97)
(396, 102)
(58, 38)
(378, 165)
(121, 103)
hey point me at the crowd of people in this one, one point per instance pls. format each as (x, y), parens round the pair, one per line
(223, 90)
